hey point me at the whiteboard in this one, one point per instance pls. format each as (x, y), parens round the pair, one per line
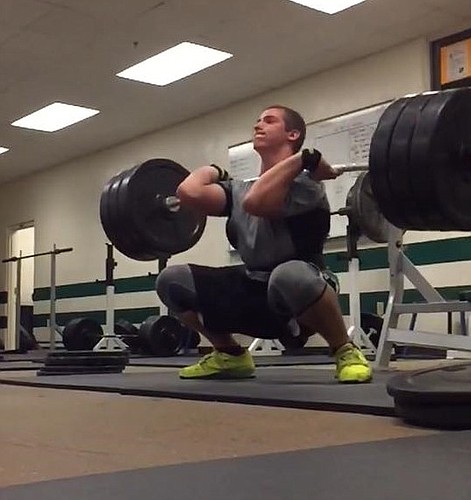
(342, 139)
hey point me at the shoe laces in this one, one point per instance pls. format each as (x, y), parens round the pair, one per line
(206, 358)
(351, 356)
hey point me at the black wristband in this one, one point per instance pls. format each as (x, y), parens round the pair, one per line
(310, 159)
(223, 175)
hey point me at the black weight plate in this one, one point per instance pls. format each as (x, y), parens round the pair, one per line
(195, 339)
(379, 162)
(444, 417)
(119, 232)
(82, 361)
(81, 334)
(128, 333)
(110, 218)
(437, 397)
(365, 211)
(445, 384)
(136, 246)
(290, 341)
(415, 215)
(79, 370)
(107, 221)
(142, 249)
(162, 335)
(443, 142)
(123, 327)
(168, 233)
(190, 339)
(87, 354)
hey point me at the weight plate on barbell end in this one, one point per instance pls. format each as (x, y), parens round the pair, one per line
(137, 244)
(414, 214)
(162, 335)
(111, 220)
(421, 196)
(441, 155)
(81, 334)
(379, 162)
(365, 212)
(165, 232)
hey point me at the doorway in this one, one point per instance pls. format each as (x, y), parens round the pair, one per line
(20, 243)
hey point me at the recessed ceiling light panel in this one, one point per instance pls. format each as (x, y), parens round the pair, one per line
(174, 64)
(328, 6)
(55, 117)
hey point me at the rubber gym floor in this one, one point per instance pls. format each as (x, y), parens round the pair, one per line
(82, 443)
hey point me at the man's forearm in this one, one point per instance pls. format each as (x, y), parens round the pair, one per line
(200, 191)
(200, 177)
(268, 193)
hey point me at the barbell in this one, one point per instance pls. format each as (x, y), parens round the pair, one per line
(418, 178)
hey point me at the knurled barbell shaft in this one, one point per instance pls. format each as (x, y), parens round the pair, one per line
(172, 203)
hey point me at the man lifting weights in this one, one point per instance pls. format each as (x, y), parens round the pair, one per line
(278, 223)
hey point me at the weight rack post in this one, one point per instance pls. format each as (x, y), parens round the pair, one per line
(52, 299)
(52, 314)
(356, 332)
(18, 303)
(110, 341)
(109, 283)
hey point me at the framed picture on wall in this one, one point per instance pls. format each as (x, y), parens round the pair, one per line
(451, 61)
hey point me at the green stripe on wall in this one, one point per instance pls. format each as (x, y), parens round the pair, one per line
(424, 253)
(93, 289)
(369, 300)
(368, 303)
(421, 254)
(137, 315)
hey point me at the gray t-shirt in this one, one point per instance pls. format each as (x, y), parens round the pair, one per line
(298, 233)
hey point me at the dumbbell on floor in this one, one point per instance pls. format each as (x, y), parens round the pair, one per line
(157, 335)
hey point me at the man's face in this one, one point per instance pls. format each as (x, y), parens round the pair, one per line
(270, 130)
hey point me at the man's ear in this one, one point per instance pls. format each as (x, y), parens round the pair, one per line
(293, 135)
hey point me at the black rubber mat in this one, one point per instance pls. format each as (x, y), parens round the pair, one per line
(288, 387)
(181, 361)
(406, 469)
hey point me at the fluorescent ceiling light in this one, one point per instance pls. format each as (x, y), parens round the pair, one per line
(174, 64)
(3, 150)
(54, 117)
(328, 6)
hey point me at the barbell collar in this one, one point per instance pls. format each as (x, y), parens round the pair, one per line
(167, 203)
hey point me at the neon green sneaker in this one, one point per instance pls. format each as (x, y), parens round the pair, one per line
(352, 366)
(219, 365)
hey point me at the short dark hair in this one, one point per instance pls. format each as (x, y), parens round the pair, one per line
(293, 121)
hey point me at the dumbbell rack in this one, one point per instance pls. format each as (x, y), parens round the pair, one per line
(401, 267)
